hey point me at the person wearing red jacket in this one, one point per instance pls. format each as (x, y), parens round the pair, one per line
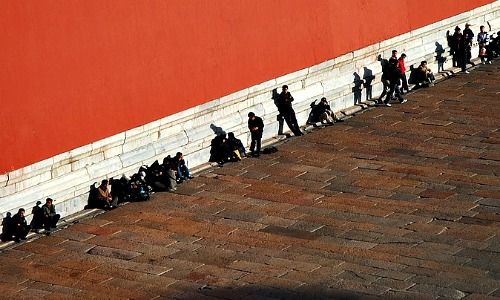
(402, 69)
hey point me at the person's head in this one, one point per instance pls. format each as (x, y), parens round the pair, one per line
(482, 28)
(403, 56)
(48, 201)
(251, 115)
(394, 53)
(230, 135)
(323, 100)
(457, 29)
(284, 88)
(21, 212)
(104, 182)
(467, 25)
(423, 63)
(179, 155)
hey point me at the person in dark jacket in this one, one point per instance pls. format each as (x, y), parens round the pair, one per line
(453, 42)
(37, 221)
(236, 144)
(256, 126)
(285, 109)
(321, 112)
(20, 228)
(50, 217)
(7, 228)
(469, 37)
(182, 168)
(394, 78)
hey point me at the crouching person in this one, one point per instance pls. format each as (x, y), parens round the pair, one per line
(20, 228)
(7, 228)
(50, 217)
(37, 221)
(104, 197)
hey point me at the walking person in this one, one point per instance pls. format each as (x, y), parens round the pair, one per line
(285, 109)
(256, 126)
(402, 70)
(394, 78)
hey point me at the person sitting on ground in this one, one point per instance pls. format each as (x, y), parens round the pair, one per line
(220, 151)
(182, 168)
(50, 217)
(20, 228)
(321, 112)
(37, 221)
(256, 126)
(169, 172)
(236, 145)
(120, 189)
(7, 228)
(104, 197)
(424, 76)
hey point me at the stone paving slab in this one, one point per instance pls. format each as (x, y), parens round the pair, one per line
(394, 203)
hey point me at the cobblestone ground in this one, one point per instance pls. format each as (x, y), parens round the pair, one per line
(400, 202)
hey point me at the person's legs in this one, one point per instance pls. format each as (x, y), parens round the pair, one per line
(296, 129)
(258, 142)
(54, 220)
(252, 146)
(389, 94)
(385, 89)
(404, 82)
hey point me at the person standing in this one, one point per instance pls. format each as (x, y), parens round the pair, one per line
(285, 109)
(402, 70)
(50, 217)
(256, 126)
(483, 39)
(394, 78)
(469, 36)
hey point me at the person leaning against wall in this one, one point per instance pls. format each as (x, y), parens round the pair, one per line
(285, 109)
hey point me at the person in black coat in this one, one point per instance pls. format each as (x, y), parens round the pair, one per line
(37, 221)
(20, 228)
(285, 109)
(256, 126)
(394, 78)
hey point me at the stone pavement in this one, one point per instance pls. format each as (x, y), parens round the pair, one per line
(394, 203)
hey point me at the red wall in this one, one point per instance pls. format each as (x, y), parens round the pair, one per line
(76, 71)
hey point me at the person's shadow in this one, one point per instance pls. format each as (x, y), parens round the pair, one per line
(358, 87)
(217, 130)
(368, 77)
(439, 56)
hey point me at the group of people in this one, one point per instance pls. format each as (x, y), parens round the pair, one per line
(461, 45)
(16, 228)
(154, 178)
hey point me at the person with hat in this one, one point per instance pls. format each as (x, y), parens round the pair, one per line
(50, 217)
(37, 221)
(256, 126)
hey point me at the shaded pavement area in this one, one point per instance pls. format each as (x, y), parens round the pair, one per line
(400, 203)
